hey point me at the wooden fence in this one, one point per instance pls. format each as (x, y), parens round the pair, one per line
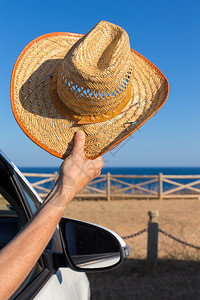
(110, 186)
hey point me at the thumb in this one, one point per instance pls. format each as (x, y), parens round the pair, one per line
(79, 142)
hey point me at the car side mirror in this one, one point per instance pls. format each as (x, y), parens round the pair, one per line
(90, 247)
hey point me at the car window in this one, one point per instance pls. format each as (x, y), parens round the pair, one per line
(30, 197)
(6, 209)
(9, 222)
(13, 217)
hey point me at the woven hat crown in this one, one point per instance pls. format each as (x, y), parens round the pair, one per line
(95, 73)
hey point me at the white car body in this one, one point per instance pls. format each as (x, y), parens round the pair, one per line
(65, 284)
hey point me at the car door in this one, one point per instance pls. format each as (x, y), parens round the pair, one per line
(18, 202)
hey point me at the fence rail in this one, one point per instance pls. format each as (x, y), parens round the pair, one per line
(109, 186)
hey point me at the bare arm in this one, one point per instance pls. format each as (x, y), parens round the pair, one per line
(75, 173)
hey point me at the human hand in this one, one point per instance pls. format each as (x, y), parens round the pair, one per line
(76, 171)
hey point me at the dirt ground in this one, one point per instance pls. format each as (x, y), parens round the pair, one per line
(177, 272)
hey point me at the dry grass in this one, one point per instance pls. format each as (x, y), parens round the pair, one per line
(177, 273)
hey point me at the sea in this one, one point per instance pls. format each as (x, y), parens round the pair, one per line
(124, 171)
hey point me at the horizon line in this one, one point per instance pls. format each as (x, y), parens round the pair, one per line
(117, 167)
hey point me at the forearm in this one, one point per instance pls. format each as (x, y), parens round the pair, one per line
(20, 255)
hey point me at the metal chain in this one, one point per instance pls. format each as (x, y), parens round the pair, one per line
(164, 233)
(134, 234)
(178, 240)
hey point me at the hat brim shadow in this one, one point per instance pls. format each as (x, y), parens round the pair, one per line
(34, 94)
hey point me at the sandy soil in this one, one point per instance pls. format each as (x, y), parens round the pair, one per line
(177, 273)
(178, 217)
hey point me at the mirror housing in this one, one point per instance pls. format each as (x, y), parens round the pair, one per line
(91, 248)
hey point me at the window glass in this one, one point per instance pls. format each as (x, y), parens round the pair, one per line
(13, 217)
(6, 209)
(30, 197)
(9, 222)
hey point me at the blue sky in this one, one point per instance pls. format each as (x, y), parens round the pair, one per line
(166, 32)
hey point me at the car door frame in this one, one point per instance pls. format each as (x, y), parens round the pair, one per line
(27, 290)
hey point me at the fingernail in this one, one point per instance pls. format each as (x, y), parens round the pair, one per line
(79, 133)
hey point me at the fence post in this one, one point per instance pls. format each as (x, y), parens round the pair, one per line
(108, 187)
(160, 186)
(55, 176)
(152, 242)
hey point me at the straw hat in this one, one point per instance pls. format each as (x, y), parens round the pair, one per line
(63, 82)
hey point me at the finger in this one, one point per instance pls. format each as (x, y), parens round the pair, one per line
(100, 160)
(79, 142)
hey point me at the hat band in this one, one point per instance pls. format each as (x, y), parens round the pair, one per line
(86, 119)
